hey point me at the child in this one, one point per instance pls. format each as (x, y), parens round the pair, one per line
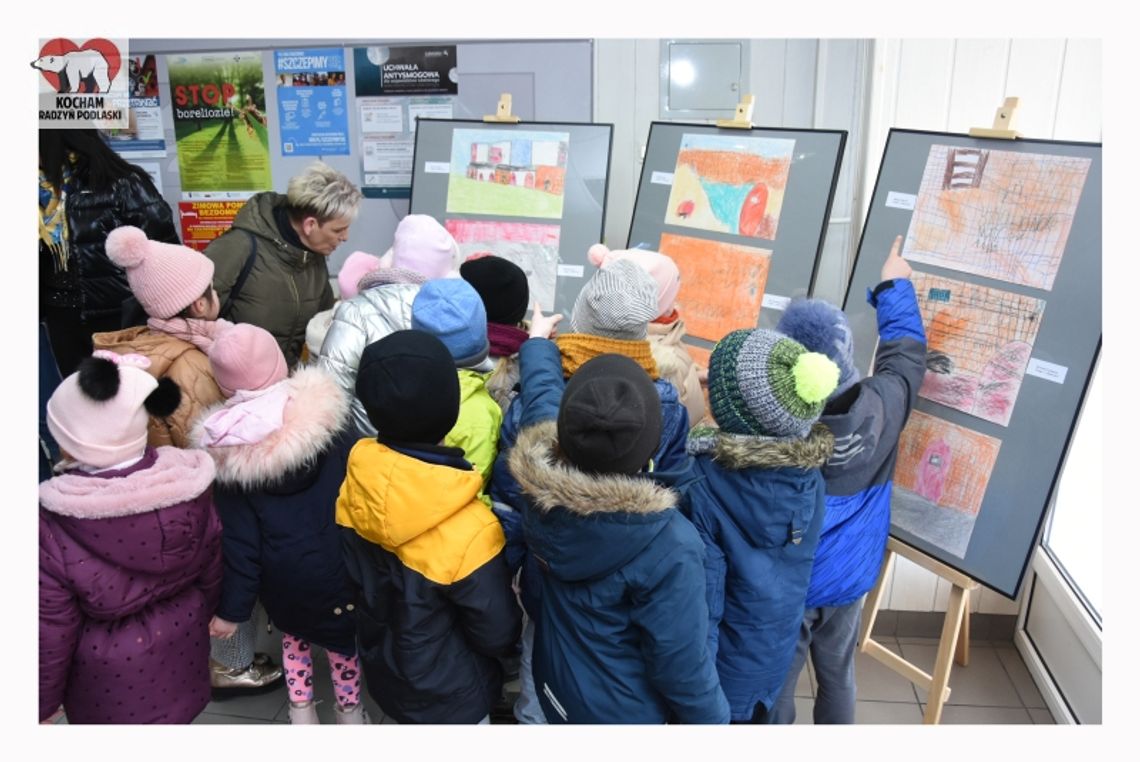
(452, 311)
(621, 630)
(674, 362)
(281, 446)
(130, 555)
(866, 416)
(356, 266)
(434, 607)
(423, 250)
(754, 492)
(506, 295)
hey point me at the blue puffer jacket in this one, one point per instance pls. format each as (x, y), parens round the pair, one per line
(621, 630)
(507, 498)
(866, 421)
(758, 504)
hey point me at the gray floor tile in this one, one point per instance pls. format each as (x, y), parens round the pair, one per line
(803, 711)
(887, 713)
(984, 683)
(803, 684)
(208, 718)
(983, 715)
(1022, 680)
(1042, 717)
(918, 641)
(875, 681)
(264, 706)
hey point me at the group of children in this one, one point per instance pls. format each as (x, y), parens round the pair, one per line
(443, 486)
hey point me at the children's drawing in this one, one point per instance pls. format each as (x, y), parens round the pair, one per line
(999, 214)
(515, 173)
(730, 184)
(940, 480)
(722, 284)
(531, 246)
(978, 343)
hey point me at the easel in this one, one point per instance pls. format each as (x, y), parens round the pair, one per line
(954, 644)
(743, 117)
(503, 113)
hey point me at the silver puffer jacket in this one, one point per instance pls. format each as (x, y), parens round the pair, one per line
(367, 317)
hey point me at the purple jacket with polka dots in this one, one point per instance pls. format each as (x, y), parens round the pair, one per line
(130, 571)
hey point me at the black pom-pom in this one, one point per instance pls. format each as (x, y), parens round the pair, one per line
(164, 400)
(98, 378)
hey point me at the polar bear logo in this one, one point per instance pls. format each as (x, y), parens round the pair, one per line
(75, 67)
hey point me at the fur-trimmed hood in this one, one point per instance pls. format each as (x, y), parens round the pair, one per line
(738, 452)
(314, 413)
(582, 526)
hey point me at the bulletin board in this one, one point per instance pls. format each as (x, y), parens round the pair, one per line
(533, 193)
(1004, 237)
(743, 213)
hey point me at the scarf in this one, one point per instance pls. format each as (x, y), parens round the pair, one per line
(505, 339)
(669, 319)
(248, 417)
(200, 333)
(53, 216)
(579, 348)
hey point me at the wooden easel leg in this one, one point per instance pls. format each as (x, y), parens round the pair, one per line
(962, 653)
(951, 627)
(874, 598)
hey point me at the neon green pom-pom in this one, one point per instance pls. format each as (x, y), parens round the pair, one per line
(816, 377)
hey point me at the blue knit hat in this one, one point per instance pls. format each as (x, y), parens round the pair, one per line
(822, 327)
(452, 311)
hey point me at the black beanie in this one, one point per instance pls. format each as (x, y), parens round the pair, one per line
(409, 387)
(501, 285)
(610, 417)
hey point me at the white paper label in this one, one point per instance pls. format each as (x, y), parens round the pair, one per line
(661, 178)
(571, 271)
(1046, 370)
(437, 167)
(773, 302)
(901, 200)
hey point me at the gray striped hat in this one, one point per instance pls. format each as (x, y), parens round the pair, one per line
(617, 302)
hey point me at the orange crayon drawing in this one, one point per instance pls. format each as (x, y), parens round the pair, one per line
(946, 464)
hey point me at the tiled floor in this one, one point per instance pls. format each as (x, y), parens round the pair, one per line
(995, 689)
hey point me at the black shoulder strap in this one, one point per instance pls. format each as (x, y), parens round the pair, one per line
(245, 270)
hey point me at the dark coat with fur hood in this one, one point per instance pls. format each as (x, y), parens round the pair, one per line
(277, 501)
(758, 505)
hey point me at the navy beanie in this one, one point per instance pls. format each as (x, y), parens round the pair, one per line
(409, 387)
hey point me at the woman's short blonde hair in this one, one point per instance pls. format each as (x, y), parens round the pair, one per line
(322, 192)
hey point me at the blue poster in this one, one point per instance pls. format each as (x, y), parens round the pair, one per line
(312, 102)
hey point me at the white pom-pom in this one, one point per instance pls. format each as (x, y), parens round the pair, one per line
(126, 246)
(597, 254)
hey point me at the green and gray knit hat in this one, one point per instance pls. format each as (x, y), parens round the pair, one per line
(763, 383)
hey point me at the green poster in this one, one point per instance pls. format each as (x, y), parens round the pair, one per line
(220, 121)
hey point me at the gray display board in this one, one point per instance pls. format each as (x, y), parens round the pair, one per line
(1005, 240)
(742, 212)
(534, 193)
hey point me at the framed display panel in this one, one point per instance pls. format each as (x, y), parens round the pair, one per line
(534, 193)
(1004, 237)
(743, 213)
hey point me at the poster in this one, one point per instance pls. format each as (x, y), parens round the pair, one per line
(312, 102)
(999, 214)
(512, 173)
(387, 139)
(203, 221)
(722, 284)
(978, 343)
(531, 246)
(411, 70)
(144, 137)
(729, 184)
(220, 121)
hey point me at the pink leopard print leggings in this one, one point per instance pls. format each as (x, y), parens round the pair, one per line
(299, 673)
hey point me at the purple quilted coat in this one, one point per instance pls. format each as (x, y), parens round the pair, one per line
(130, 572)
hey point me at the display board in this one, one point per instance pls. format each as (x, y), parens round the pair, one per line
(743, 214)
(533, 193)
(1004, 237)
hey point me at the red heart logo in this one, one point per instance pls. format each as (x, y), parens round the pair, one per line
(50, 67)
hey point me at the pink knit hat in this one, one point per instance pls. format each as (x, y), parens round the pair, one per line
(98, 414)
(246, 358)
(357, 265)
(662, 268)
(166, 278)
(425, 246)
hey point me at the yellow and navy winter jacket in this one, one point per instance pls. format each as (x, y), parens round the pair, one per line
(434, 608)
